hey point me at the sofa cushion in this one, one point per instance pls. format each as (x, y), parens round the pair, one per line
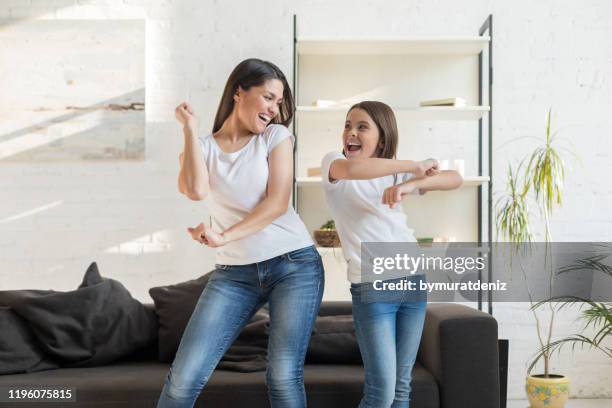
(333, 341)
(19, 350)
(95, 324)
(138, 384)
(174, 305)
(336, 307)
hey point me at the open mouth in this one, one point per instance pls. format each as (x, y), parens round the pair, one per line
(353, 146)
(264, 118)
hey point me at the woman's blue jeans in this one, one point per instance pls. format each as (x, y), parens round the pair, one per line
(388, 329)
(292, 284)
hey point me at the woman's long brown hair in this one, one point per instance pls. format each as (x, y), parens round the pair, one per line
(254, 72)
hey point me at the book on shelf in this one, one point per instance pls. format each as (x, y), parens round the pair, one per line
(313, 171)
(324, 103)
(456, 102)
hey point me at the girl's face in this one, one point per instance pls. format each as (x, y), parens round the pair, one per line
(361, 136)
(259, 105)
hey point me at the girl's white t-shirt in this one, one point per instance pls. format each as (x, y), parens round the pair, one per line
(360, 216)
(238, 183)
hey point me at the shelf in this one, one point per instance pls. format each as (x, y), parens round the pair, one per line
(473, 181)
(461, 45)
(326, 250)
(424, 113)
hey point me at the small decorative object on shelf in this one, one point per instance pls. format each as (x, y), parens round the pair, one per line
(443, 164)
(327, 236)
(425, 241)
(324, 103)
(445, 239)
(456, 102)
(452, 164)
(459, 166)
(313, 171)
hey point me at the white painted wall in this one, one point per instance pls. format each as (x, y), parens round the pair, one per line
(56, 219)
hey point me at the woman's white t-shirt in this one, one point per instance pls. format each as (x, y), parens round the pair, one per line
(360, 216)
(238, 183)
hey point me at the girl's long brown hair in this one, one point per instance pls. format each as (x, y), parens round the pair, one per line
(384, 118)
(253, 72)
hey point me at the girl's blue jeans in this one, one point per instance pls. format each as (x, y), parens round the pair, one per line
(389, 333)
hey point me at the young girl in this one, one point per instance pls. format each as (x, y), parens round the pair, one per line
(363, 186)
(264, 253)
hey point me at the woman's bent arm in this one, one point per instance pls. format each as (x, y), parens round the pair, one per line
(276, 203)
(193, 177)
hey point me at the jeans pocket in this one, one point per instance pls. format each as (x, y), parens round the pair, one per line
(356, 289)
(307, 254)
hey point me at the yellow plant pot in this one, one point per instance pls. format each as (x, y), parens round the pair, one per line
(551, 392)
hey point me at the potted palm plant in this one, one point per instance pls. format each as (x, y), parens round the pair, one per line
(597, 315)
(543, 175)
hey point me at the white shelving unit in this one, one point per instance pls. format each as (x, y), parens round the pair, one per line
(400, 71)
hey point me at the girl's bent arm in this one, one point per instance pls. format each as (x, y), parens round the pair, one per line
(193, 177)
(445, 180)
(276, 203)
(369, 168)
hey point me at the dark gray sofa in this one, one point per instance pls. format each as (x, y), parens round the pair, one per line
(457, 367)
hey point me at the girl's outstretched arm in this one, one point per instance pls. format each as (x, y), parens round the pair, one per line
(369, 168)
(444, 180)
(276, 203)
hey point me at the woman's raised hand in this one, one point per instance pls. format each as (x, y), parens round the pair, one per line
(184, 114)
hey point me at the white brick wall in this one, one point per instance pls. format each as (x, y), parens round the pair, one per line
(131, 220)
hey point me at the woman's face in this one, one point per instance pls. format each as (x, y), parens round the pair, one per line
(361, 136)
(259, 105)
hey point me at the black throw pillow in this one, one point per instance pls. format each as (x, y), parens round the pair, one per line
(96, 324)
(333, 341)
(174, 305)
(19, 350)
(8, 297)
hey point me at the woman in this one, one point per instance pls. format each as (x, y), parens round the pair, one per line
(366, 183)
(244, 171)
